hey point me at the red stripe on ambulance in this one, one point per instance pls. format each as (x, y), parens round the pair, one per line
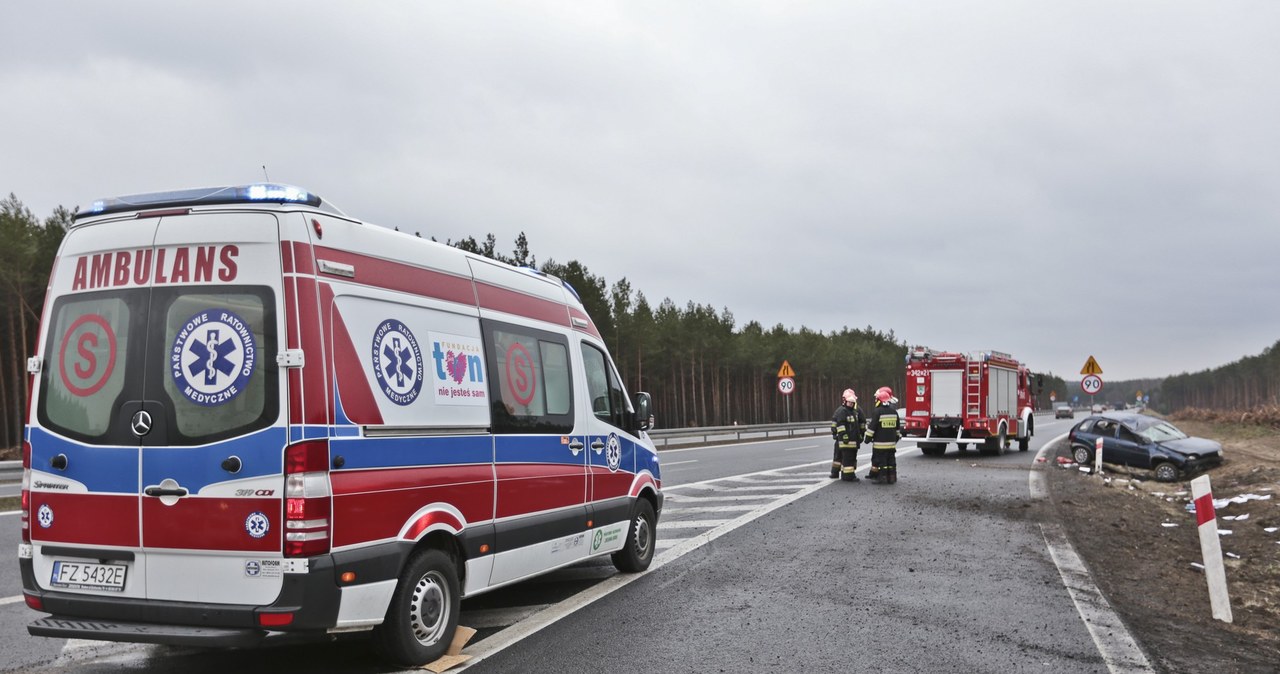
(90, 519)
(224, 524)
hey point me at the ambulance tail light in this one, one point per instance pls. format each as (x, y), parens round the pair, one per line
(26, 492)
(307, 502)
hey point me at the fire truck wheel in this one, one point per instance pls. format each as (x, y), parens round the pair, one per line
(1165, 472)
(962, 446)
(637, 552)
(1024, 444)
(423, 614)
(996, 444)
(933, 449)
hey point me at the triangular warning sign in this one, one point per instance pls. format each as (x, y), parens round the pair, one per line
(785, 370)
(1091, 367)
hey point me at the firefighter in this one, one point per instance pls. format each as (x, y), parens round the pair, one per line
(846, 429)
(884, 429)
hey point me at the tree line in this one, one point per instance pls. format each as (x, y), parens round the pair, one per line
(28, 246)
(1246, 384)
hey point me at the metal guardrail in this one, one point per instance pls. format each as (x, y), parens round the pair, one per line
(10, 471)
(664, 437)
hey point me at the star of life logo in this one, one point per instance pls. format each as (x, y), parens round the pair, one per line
(213, 356)
(397, 362)
(613, 452)
(257, 525)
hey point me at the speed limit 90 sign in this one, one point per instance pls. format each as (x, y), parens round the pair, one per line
(1091, 384)
(786, 385)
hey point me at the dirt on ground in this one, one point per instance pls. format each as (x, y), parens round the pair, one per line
(1141, 544)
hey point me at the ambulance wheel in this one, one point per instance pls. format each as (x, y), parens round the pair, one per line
(637, 552)
(423, 614)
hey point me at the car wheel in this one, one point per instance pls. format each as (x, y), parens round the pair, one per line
(1165, 472)
(423, 614)
(1082, 455)
(642, 535)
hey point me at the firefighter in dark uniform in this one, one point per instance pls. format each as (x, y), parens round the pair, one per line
(884, 429)
(846, 429)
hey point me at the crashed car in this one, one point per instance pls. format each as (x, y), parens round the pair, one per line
(1063, 412)
(1142, 441)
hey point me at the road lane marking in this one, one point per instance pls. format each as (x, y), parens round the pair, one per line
(688, 524)
(690, 498)
(678, 463)
(718, 509)
(10, 512)
(1117, 647)
(792, 449)
(10, 600)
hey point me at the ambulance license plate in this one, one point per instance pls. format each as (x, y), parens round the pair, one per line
(88, 576)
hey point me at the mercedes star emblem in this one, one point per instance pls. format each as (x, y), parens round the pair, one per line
(141, 423)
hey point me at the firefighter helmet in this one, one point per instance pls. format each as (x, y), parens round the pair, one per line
(849, 396)
(885, 395)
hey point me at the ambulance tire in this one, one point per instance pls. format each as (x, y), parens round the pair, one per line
(637, 552)
(423, 614)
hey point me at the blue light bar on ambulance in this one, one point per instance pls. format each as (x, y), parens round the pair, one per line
(202, 196)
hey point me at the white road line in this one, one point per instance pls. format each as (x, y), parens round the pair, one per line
(679, 463)
(663, 525)
(792, 449)
(11, 512)
(1118, 649)
(716, 509)
(10, 600)
(498, 617)
(799, 481)
(689, 498)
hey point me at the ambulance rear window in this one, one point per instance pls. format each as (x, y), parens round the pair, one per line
(216, 344)
(90, 338)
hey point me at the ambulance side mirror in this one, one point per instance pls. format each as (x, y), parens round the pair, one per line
(643, 419)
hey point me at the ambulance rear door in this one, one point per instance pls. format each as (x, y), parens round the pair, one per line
(212, 462)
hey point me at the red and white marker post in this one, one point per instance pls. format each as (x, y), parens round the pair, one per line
(1097, 457)
(1211, 548)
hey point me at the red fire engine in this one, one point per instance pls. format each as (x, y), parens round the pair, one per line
(983, 397)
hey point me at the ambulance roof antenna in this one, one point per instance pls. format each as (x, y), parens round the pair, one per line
(264, 173)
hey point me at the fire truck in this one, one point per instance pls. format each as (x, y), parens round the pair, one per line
(984, 398)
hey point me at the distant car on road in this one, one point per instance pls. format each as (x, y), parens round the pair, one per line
(1063, 411)
(1143, 442)
(1098, 408)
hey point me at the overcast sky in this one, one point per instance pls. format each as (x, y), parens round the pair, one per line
(1050, 179)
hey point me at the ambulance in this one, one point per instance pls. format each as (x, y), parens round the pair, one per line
(256, 419)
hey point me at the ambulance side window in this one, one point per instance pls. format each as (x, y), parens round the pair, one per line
(608, 402)
(530, 384)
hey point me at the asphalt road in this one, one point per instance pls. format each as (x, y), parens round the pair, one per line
(778, 568)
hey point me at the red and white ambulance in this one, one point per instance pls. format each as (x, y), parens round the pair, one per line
(254, 417)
